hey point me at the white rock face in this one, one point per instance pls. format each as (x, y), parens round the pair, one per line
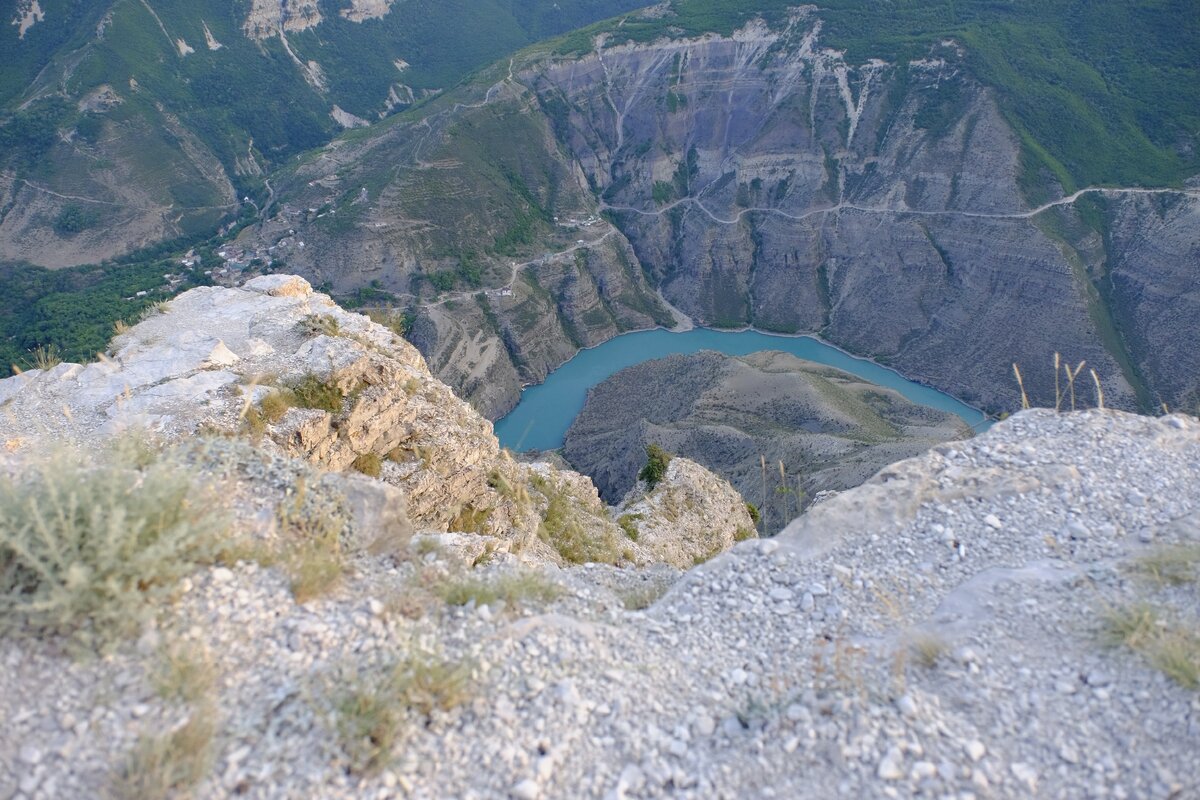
(361, 10)
(29, 13)
(689, 517)
(268, 18)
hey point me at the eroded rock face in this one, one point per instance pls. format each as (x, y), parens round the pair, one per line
(278, 362)
(690, 516)
(269, 18)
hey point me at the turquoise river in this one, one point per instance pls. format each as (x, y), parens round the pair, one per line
(540, 421)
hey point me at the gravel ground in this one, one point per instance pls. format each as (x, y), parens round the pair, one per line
(936, 632)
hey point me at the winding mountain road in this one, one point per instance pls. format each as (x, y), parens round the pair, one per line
(1064, 201)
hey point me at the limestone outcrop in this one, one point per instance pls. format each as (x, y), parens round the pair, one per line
(280, 363)
(687, 518)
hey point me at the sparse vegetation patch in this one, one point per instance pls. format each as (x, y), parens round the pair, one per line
(657, 461)
(371, 715)
(163, 767)
(91, 548)
(512, 588)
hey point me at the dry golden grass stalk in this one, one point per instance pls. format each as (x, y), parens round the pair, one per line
(1021, 384)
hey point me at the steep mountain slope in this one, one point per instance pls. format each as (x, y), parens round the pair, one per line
(757, 177)
(130, 122)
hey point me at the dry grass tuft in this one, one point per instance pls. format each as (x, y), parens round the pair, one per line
(1173, 566)
(45, 357)
(1171, 648)
(319, 325)
(512, 588)
(315, 562)
(369, 464)
(162, 767)
(563, 530)
(315, 567)
(927, 648)
(470, 519)
(186, 672)
(641, 596)
(371, 715)
(275, 405)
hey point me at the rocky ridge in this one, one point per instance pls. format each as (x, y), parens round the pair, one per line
(937, 631)
(346, 394)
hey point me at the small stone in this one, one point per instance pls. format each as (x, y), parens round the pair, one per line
(222, 575)
(807, 602)
(738, 677)
(781, 595)
(975, 750)
(768, 546)
(890, 768)
(796, 712)
(705, 725)
(526, 790)
(29, 781)
(484, 613)
(1026, 775)
(992, 521)
(375, 607)
(632, 779)
(922, 770)
(907, 706)
(818, 590)
(28, 754)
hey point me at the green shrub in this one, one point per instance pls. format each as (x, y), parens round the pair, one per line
(312, 392)
(657, 461)
(73, 219)
(753, 511)
(91, 549)
(628, 523)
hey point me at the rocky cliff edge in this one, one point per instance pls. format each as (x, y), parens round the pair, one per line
(1006, 617)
